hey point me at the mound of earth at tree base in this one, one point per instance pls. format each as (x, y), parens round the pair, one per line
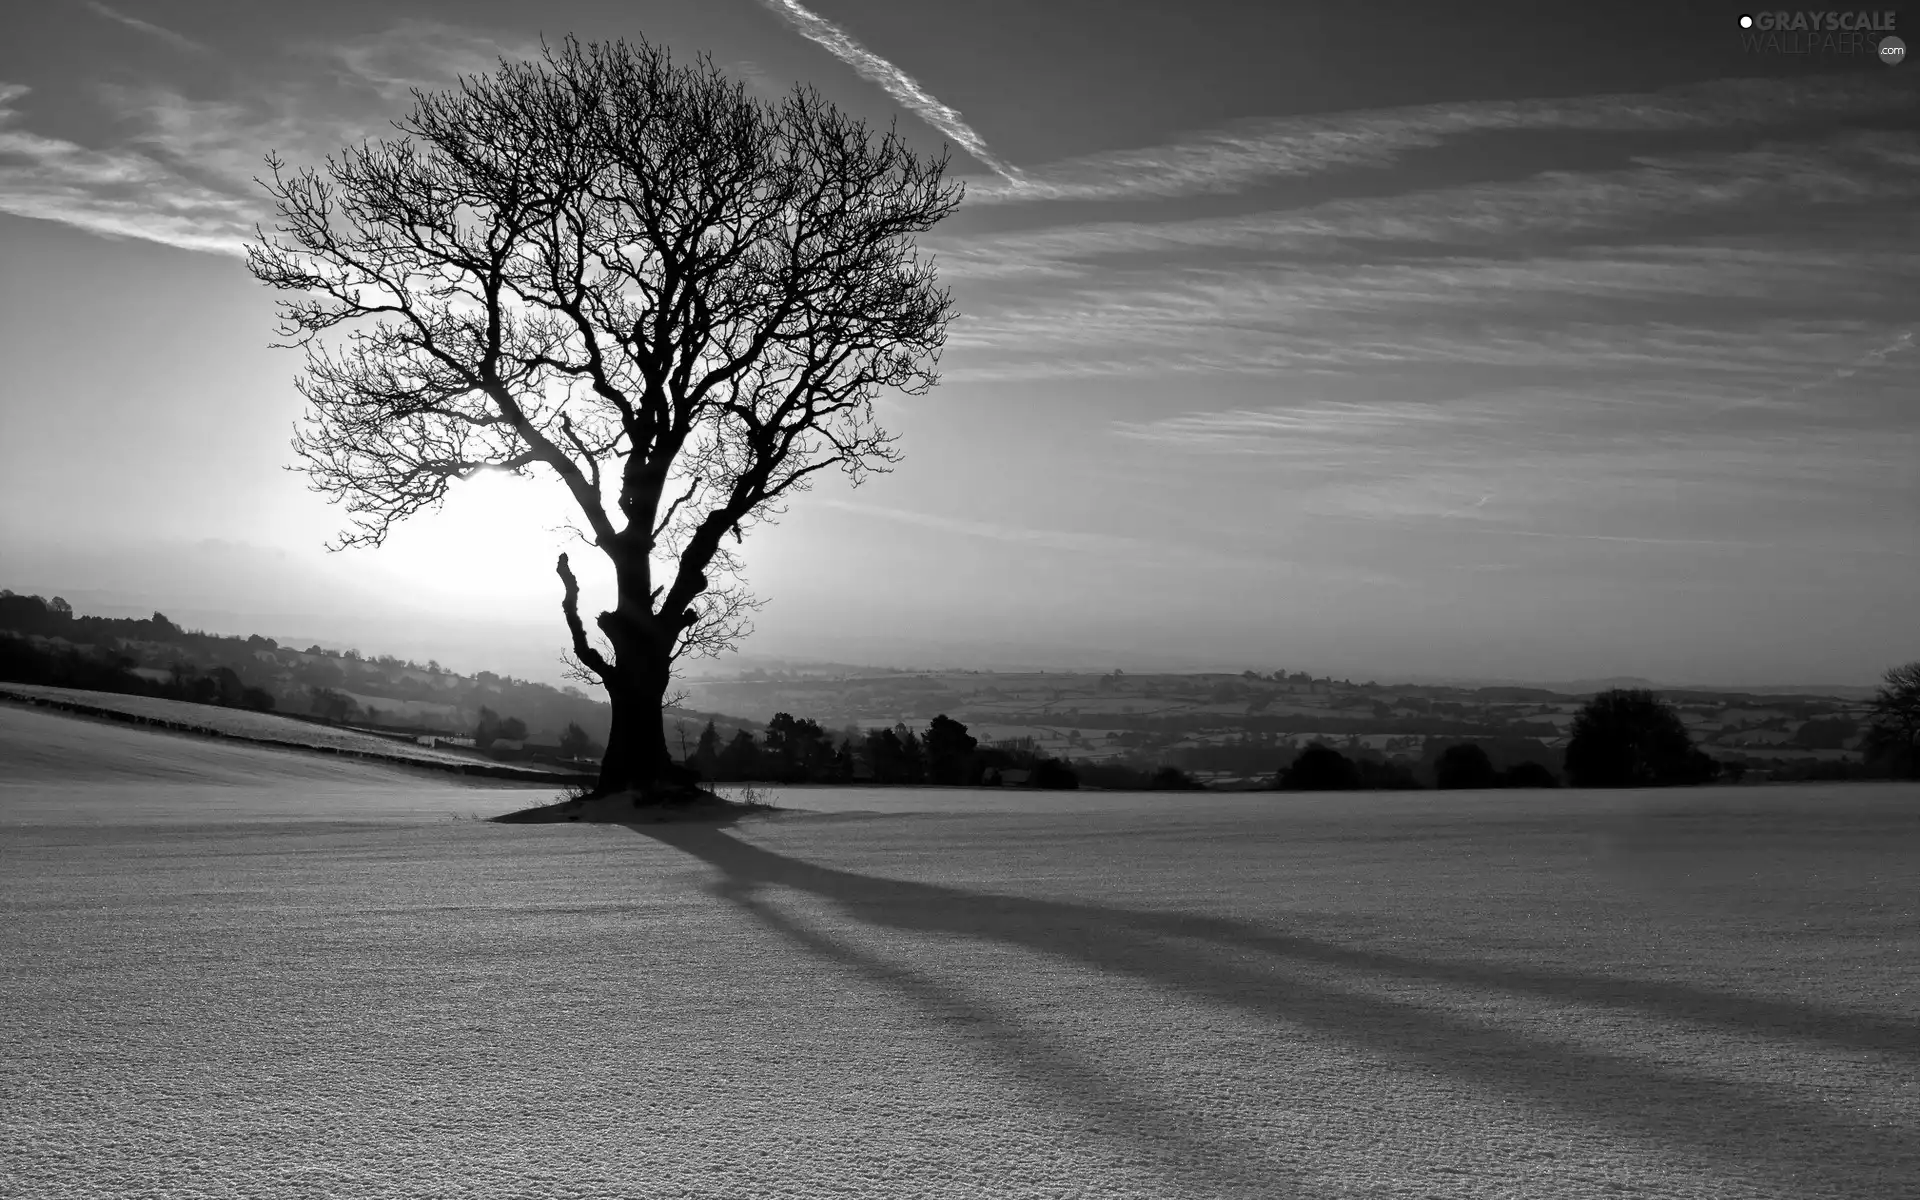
(661, 806)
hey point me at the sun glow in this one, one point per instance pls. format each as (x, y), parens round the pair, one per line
(489, 550)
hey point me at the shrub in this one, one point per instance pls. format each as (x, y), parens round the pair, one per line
(577, 743)
(1173, 779)
(1893, 730)
(1319, 768)
(1388, 776)
(1052, 773)
(1465, 766)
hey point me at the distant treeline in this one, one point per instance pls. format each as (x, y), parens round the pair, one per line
(800, 750)
(45, 642)
(1321, 768)
(51, 644)
(94, 668)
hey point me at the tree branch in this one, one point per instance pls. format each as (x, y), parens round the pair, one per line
(583, 649)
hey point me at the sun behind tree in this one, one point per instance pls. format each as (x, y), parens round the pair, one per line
(677, 300)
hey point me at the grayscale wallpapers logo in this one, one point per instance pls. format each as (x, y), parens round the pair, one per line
(1826, 33)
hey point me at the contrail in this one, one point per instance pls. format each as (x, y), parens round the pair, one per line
(1876, 357)
(176, 40)
(892, 80)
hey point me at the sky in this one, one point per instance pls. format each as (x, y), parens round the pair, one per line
(1549, 342)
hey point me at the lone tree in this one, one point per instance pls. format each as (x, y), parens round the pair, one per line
(1319, 768)
(1893, 728)
(1633, 738)
(1465, 765)
(677, 300)
(576, 742)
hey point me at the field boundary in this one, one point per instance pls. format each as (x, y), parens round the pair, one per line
(484, 770)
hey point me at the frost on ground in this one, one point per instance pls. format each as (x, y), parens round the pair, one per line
(245, 724)
(56, 768)
(1569, 995)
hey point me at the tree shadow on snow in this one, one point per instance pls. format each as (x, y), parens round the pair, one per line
(1244, 966)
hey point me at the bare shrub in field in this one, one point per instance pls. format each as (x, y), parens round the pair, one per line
(751, 796)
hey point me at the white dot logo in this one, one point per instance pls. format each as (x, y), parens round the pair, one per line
(1746, 22)
(1892, 51)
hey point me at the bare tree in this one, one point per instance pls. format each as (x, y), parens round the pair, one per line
(1893, 729)
(677, 300)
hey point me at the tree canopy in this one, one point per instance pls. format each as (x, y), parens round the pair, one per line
(1631, 738)
(1893, 728)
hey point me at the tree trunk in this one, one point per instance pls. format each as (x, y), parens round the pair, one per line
(637, 757)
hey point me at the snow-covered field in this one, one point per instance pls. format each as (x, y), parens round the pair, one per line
(256, 727)
(252, 981)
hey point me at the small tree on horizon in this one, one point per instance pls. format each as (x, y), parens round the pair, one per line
(674, 299)
(706, 753)
(576, 742)
(1319, 768)
(1630, 737)
(949, 750)
(1893, 727)
(1465, 765)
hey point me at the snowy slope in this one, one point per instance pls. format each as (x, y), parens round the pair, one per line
(58, 767)
(247, 726)
(1475, 996)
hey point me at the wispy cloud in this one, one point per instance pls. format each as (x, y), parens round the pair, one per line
(1549, 207)
(895, 82)
(177, 40)
(1876, 356)
(1050, 539)
(1647, 465)
(1103, 545)
(413, 53)
(1681, 263)
(121, 191)
(182, 172)
(1257, 558)
(1231, 158)
(1682, 311)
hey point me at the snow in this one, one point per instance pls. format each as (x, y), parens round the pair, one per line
(55, 767)
(244, 724)
(266, 982)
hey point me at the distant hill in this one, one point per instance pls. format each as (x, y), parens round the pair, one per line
(1583, 687)
(46, 642)
(1243, 725)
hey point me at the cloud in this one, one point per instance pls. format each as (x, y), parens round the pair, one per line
(1552, 206)
(118, 192)
(412, 54)
(1653, 464)
(893, 81)
(183, 174)
(176, 40)
(1112, 546)
(1729, 307)
(1050, 539)
(1233, 157)
(1571, 420)
(1876, 356)
(1689, 264)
